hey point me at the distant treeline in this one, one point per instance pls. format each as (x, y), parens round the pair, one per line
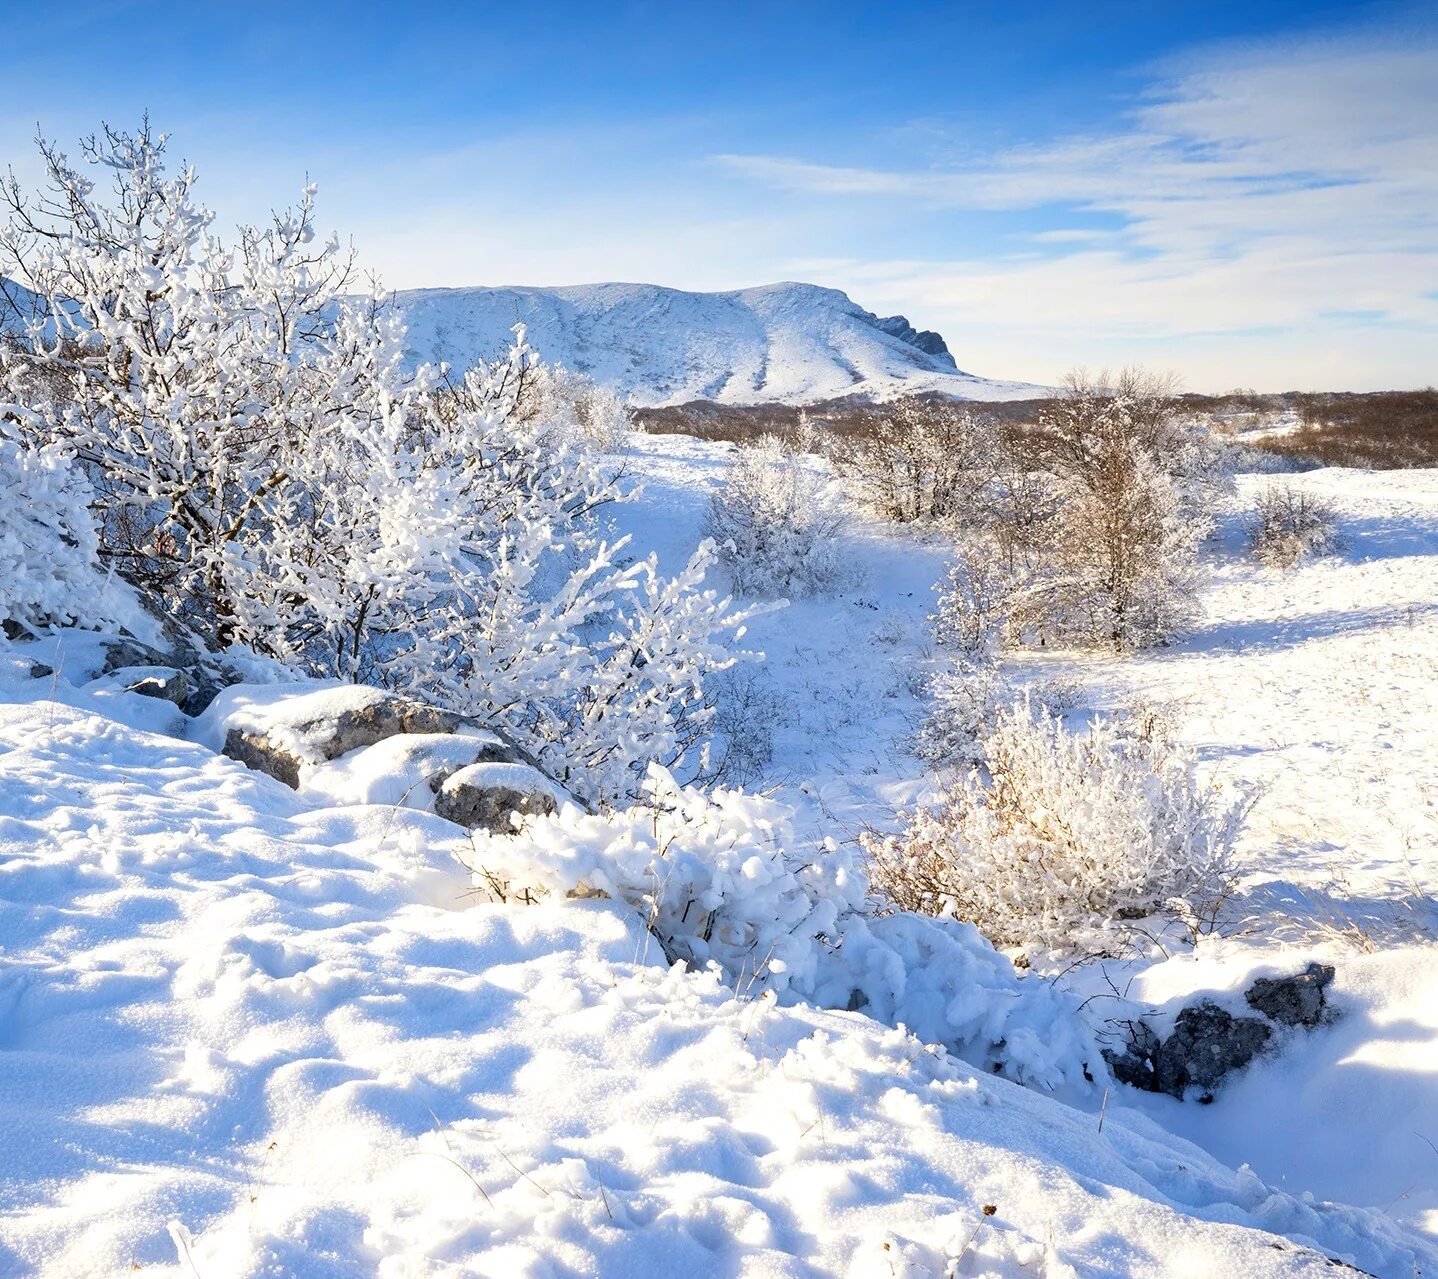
(1379, 429)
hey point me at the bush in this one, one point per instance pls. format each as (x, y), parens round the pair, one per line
(1289, 525)
(1065, 835)
(774, 525)
(922, 460)
(721, 878)
(48, 545)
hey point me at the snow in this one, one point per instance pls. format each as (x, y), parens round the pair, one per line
(788, 343)
(397, 770)
(247, 1036)
(247, 1031)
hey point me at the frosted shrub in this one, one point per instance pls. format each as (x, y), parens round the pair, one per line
(264, 466)
(1289, 525)
(48, 545)
(1066, 834)
(775, 525)
(923, 461)
(962, 699)
(1117, 561)
(722, 878)
(562, 398)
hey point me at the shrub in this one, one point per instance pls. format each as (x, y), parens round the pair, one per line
(722, 878)
(921, 460)
(48, 545)
(774, 524)
(1065, 835)
(962, 700)
(1289, 525)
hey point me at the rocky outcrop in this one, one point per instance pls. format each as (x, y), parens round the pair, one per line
(1208, 1043)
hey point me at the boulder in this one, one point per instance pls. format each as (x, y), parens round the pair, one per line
(486, 796)
(333, 730)
(163, 682)
(1292, 1001)
(1207, 1043)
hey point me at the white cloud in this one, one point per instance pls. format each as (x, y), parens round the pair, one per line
(1262, 198)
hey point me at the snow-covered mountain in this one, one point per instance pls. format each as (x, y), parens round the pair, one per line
(789, 343)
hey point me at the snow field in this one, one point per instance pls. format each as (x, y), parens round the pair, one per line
(245, 1036)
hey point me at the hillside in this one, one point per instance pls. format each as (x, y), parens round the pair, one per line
(786, 343)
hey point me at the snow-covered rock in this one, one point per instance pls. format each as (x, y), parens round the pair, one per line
(488, 795)
(354, 744)
(790, 343)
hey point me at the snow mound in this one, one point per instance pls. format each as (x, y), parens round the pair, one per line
(791, 343)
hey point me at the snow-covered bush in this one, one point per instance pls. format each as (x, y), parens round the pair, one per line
(1289, 525)
(923, 460)
(962, 701)
(775, 525)
(560, 397)
(1117, 562)
(265, 468)
(721, 878)
(48, 547)
(1066, 834)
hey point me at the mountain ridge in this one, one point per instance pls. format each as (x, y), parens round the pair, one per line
(788, 342)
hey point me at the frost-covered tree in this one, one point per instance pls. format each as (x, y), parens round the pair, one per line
(182, 373)
(1130, 482)
(264, 465)
(774, 523)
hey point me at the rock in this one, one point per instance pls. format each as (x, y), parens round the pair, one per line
(1292, 1001)
(38, 670)
(255, 750)
(1207, 1043)
(204, 676)
(485, 796)
(1137, 1065)
(12, 630)
(161, 682)
(329, 734)
(120, 653)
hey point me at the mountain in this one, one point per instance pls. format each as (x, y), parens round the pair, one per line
(788, 343)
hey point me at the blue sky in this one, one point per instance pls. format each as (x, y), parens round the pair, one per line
(1244, 193)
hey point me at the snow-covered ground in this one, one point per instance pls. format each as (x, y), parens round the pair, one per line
(245, 1032)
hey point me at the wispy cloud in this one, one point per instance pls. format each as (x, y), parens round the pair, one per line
(1287, 189)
